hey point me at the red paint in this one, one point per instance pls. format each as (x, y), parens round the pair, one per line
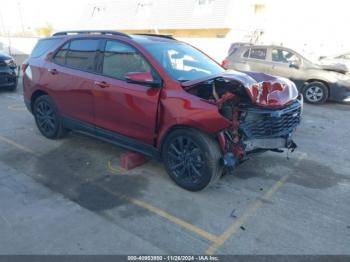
(131, 160)
(140, 76)
(224, 62)
(263, 90)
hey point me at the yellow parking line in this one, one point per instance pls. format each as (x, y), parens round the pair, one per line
(13, 143)
(136, 202)
(166, 215)
(18, 107)
(217, 240)
(241, 220)
(116, 170)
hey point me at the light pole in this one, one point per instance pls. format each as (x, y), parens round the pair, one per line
(20, 15)
(3, 28)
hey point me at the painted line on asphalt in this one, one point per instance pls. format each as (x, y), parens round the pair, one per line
(244, 218)
(217, 241)
(165, 215)
(115, 170)
(17, 107)
(21, 147)
(178, 221)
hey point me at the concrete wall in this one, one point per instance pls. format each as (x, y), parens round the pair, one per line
(17, 45)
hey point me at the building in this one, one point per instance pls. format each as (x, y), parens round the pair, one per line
(312, 26)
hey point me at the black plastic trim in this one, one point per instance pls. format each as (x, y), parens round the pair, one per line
(110, 137)
(102, 32)
(156, 35)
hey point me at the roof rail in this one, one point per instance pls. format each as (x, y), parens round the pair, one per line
(163, 36)
(102, 32)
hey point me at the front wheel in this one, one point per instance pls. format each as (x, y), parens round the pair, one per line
(191, 158)
(315, 93)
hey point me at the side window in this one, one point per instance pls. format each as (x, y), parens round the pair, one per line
(255, 53)
(246, 53)
(258, 53)
(82, 54)
(60, 57)
(283, 56)
(120, 59)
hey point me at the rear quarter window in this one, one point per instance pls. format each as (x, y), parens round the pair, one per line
(256, 53)
(43, 46)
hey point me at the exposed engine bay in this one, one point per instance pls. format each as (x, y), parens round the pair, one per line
(262, 115)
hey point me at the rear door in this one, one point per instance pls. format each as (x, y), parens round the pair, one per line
(122, 107)
(71, 78)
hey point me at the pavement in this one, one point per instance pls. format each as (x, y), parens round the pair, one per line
(71, 196)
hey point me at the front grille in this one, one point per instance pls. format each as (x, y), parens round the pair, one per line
(262, 123)
(6, 78)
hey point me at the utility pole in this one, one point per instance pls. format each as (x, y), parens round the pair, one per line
(3, 28)
(20, 15)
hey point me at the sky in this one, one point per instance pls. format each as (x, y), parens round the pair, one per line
(320, 24)
(37, 13)
(67, 14)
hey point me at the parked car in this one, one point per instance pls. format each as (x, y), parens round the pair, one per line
(316, 82)
(8, 72)
(160, 97)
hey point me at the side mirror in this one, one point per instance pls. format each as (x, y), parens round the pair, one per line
(142, 78)
(294, 64)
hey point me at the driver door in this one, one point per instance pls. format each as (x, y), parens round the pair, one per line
(281, 64)
(122, 107)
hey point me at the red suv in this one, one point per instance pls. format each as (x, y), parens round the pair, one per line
(160, 97)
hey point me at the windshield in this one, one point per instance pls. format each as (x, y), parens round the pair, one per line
(183, 62)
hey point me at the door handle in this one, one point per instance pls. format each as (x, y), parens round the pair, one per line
(101, 84)
(52, 71)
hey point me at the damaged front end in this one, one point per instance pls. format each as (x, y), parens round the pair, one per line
(263, 112)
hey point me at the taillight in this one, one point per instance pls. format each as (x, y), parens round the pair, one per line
(24, 67)
(225, 62)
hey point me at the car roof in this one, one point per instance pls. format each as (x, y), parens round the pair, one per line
(264, 46)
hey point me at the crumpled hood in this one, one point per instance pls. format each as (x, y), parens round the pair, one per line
(336, 67)
(263, 90)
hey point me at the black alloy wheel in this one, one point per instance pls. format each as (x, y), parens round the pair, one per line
(47, 118)
(191, 158)
(185, 159)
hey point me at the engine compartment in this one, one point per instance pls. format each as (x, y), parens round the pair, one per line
(226, 94)
(260, 117)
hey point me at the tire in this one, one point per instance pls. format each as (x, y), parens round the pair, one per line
(192, 159)
(47, 118)
(315, 93)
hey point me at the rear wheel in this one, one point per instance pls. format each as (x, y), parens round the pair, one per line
(315, 93)
(47, 117)
(192, 159)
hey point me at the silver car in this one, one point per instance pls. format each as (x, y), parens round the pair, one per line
(316, 82)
